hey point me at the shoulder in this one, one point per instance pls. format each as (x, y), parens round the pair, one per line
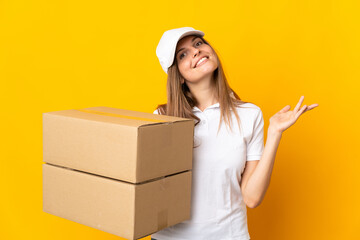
(249, 105)
(250, 114)
(249, 109)
(160, 109)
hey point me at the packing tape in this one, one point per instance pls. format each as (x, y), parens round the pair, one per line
(120, 116)
(162, 219)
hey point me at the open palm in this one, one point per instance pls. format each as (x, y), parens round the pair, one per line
(283, 119)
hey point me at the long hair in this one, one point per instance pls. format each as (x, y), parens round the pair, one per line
(180, 100)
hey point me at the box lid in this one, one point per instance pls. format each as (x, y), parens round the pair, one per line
(119, 116)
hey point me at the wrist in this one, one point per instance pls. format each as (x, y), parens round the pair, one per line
(274, 132)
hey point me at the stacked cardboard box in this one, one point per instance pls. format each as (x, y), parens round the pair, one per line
(124, 172)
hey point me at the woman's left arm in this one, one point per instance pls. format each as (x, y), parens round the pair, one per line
(256, 177)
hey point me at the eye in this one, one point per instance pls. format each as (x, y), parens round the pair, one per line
(196, 44)
(181, 56)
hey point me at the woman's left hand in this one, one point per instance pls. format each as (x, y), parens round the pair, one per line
(283, 119)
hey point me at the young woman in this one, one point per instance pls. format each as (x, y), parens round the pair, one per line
(231, 166)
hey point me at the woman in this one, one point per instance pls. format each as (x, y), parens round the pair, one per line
(231, 166)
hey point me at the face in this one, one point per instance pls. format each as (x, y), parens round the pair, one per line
(190, 52)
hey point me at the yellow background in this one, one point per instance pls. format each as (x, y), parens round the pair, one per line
(57, 55)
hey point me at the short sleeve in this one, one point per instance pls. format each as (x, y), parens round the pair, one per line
(255, 147)
(156, 112)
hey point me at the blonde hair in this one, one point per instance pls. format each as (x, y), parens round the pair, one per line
(180, 100)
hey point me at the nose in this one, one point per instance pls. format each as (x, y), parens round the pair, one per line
(196, 52)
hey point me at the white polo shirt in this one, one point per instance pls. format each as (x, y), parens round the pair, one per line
(218, 211)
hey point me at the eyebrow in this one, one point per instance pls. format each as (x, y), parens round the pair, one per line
(184, 48)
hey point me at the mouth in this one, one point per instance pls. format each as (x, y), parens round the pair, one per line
(201, 61)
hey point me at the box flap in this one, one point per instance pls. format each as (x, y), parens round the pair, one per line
(118, 116)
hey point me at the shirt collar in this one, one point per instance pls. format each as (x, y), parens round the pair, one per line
(196, 109)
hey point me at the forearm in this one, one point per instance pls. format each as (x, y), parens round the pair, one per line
(258, 182)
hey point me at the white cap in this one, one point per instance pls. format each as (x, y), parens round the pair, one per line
(165, 50)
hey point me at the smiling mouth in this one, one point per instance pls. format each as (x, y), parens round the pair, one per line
(201, 61)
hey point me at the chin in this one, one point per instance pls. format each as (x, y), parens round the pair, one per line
(209, 66)
(202, 75)
(208, 69)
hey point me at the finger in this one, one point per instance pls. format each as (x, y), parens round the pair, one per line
(301, 111)
(296, 109)
(312, 106)
(285, 109)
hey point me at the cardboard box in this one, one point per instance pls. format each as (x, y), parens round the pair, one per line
(128, 210)
(122, 144)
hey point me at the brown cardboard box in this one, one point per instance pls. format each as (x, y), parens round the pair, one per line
(122, 144)
(128, 210)
(120, 171)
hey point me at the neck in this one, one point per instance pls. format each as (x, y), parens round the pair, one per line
(204, 93)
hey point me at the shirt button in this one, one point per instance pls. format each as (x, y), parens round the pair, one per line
(203, 122)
